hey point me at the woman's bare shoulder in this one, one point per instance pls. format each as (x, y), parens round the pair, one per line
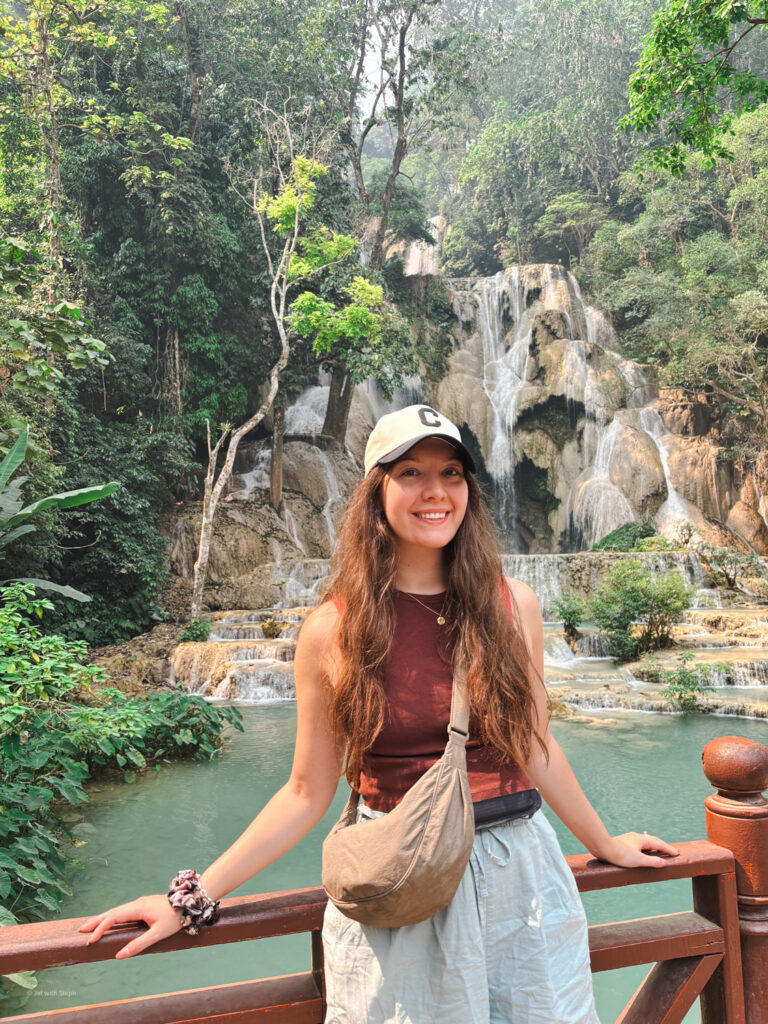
(524, 596)
(318, 631)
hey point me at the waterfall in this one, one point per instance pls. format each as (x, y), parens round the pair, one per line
(526, 338)
(290, 523)
(594, 503)
(307, 413)
(676, 505)
(333, 492)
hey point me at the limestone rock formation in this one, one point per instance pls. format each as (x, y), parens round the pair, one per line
(258, 554)
(636, 469)
(575, 439)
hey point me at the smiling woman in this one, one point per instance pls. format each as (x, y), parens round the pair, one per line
(417, 598)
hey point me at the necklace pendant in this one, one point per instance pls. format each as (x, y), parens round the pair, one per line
(440, 620)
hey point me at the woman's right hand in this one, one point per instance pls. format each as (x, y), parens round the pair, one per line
(156, 911)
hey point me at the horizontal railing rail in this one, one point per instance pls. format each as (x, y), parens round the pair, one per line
(696, 952)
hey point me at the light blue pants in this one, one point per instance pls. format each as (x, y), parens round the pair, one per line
(510, 948)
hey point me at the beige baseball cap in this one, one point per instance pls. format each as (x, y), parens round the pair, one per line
(398, 431)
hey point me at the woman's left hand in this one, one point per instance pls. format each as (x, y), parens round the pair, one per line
(627, 851)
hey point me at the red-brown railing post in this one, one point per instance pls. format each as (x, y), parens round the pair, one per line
(737, 818)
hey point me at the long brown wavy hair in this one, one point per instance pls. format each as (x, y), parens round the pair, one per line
(362, 583)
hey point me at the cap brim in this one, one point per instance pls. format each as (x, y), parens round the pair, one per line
(403, 448)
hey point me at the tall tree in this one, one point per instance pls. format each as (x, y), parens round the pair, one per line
(282, 215)
(409, 66)
(695, 77)
(41, 62)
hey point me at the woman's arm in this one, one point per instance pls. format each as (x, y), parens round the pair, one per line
(554, 777)
(296, 808)
(291, 813)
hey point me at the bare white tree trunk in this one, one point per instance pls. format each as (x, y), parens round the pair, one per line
(215, 485)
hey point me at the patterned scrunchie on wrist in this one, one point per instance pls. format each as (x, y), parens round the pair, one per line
(188, 895)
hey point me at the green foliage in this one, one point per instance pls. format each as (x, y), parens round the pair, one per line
(271, 628)
(685, 685)
(296, 196)
(625, 537)
(654, 543)
(426, 305)
(39, 64)
(684, 532)
(688, 82)
(572, 219)
(636, 608)
(59, 727)
(728, 565)
(547, 128)
(196, 631)
(572, 610)
(14, 513)
(36, 335)
(408, 215)
(685, 279)
(113, 550)
(319, 250)
(366, 334)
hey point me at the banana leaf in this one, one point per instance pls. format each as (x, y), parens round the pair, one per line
(76, 595)
(14, 458)
(67, 499)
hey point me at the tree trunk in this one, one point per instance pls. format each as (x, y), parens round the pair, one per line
(201, 563)
(50, 135)
(174, 372)
(401, 145)
(339, 404)
(377, 250)
(276, 462)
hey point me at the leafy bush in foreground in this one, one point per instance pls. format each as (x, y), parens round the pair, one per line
(57, 730)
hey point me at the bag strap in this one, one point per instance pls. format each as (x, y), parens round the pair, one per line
(459, 720)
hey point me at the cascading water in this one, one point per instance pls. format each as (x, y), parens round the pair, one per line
(500, 320)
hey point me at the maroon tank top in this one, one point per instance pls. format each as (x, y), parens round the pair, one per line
(419, 707)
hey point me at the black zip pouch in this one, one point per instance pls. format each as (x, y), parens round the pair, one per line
(506, 808)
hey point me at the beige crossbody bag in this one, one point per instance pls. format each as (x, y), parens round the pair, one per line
(402, 868)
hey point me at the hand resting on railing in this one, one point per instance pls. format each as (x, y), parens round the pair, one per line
(163, 920)
(628, 851)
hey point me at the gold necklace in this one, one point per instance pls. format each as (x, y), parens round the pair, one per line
(440, 617)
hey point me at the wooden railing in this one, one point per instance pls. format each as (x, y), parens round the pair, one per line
(696, 954)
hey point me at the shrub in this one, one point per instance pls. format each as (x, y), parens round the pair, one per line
(685, 685)
(112, 549)
(637, 608)
(684, 534)
(624, 538)
(57, 730)
(271, 629)
(654, 543)
(728, 566)
(196, 631)
(571, 610)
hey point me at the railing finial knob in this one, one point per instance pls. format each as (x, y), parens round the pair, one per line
(736, 767)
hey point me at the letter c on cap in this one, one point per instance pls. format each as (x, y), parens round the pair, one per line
(425, 414)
